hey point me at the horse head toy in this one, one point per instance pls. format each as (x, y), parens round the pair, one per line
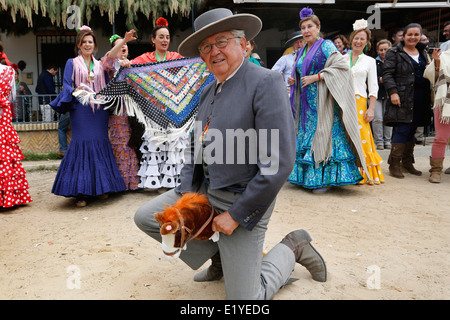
(189, 218)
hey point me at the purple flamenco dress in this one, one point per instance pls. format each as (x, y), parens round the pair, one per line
(89, 167)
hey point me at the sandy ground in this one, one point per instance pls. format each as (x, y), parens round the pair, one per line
(380, 242)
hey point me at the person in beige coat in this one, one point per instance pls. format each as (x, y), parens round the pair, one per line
(438, 72)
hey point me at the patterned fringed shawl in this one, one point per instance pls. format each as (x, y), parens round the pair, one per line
(163, 96)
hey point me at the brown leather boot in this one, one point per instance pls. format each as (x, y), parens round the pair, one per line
(213, 272)
(408, 158)
(395, 159)
(305, 254)
(436, 169)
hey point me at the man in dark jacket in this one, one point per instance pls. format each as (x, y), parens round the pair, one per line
(45, 87)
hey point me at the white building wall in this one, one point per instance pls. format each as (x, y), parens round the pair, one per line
(22, 48)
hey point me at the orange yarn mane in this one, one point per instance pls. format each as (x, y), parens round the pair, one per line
(195, 210)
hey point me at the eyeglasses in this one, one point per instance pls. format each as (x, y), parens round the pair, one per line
(219, 43)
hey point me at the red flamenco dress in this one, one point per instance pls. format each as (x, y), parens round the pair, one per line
(13, 184)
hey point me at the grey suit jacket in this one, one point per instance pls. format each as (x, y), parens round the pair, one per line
(251, 140)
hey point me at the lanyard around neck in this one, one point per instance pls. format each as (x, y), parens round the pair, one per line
(158, 58)
(304, 52)
(351, 60)
(91, 75)
(91, 68)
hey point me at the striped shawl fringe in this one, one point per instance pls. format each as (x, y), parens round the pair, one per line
(337, 86)
(441, 84)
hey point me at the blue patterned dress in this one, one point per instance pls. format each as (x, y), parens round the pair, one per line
(340, 169)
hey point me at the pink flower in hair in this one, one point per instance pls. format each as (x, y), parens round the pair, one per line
(85, 28)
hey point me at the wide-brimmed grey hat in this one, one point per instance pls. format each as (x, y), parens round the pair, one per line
(215, 21)
(294, 36)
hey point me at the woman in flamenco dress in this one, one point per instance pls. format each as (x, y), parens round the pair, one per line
(89, 167)
(122, 129)
(13, 184)
(158, 169)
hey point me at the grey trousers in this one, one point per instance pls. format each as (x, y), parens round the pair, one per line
(381, 134)
(247, 274)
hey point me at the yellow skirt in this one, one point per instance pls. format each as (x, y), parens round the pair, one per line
(373, 159)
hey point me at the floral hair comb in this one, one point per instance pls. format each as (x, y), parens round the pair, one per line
(161, 22)
(305, 13)
(84, 28)
(114, 38)
(360, 24)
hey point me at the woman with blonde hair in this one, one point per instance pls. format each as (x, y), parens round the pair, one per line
(325, 113)
(364, 70)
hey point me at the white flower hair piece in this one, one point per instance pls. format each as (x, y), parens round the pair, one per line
(360, 24)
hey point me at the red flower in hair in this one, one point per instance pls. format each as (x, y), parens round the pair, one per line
(161, 22)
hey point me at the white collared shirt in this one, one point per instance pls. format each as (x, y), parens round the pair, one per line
(364, 76)
(220, 84)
